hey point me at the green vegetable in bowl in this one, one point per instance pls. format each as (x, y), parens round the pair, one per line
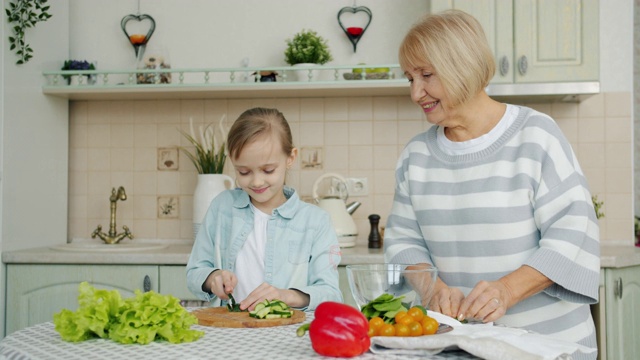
(141, 319)
(385, 306)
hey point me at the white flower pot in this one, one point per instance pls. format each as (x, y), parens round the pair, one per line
(306, 75)
(208, 187)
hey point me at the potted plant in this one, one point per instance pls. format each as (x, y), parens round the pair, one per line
(78, 65)
(208, 157)
(306, 48)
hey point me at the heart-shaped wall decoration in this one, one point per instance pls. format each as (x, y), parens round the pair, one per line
(354, 33)
(138, 40)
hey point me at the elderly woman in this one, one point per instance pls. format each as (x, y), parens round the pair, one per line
(491, 194)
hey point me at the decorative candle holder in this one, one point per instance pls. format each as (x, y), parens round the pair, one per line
(138, 41)
(355, 33)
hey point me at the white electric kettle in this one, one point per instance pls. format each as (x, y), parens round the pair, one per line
(334, 202)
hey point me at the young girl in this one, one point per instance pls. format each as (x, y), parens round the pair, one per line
(260, 241)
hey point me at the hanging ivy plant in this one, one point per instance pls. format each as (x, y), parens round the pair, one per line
(23, 14)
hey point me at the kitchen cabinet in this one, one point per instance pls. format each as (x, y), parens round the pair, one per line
(537, 41)
(622, 313)
(36, 292)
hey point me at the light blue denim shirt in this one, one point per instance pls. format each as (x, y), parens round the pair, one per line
(302, 250)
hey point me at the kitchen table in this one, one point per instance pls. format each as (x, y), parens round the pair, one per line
(274, 343)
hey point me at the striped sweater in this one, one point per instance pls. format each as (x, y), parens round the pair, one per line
(480, 216)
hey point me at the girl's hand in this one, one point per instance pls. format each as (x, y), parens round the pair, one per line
(221, 283)
(265, 291)
(487, 302)
(446, 301)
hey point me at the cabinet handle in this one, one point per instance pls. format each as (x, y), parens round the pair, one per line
(617, 289)
(523, 65)
(504, 65)
(146, 284)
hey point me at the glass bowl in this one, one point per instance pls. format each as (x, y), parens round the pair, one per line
(414, 282)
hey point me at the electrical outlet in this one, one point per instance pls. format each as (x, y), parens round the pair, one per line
(358, 186)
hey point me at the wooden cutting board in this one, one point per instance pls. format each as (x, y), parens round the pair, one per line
(222, 317)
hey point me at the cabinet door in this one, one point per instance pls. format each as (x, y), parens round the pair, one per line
(173, 281)
(556, 40)
(623, 312)
(496, 18)
(36, 292)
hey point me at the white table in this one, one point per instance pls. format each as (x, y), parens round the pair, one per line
(274, 343)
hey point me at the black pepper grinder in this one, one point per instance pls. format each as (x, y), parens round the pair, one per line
(375, 241)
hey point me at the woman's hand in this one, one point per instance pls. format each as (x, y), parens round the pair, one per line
(487, 302)
(221, 283)
(265, 291)
(446, 300)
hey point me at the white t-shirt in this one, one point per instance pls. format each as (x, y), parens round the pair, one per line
(480, 143)
(250, 262)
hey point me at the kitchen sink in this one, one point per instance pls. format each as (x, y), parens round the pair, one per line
(102, 247)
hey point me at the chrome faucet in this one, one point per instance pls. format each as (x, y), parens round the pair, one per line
(113, 237)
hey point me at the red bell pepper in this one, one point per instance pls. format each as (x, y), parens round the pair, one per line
(338, 330)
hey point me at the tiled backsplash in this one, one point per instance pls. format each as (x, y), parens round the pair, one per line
(128, 143)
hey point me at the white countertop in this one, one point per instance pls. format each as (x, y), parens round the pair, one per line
(175, 253)
(178, 254)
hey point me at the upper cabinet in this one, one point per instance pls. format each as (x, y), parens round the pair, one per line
(537, 41)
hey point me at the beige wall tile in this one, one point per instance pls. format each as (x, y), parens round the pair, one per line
(115, 143)
(145, 135)
(618, 155)
(336, 109)
(591, 129)
(312, 109)
(360, 132)
(145, 207)
(78, 159)
(619, 129)
(121, 112)
(77, 183)
(385, 108)
(360, 109)
(145, 183)
(168, 183)
(592, 106)
(617, 104)
(121, 159)
(78, 113)
(336, 158)
(384, 157)
(312, 134)
(336, 133)
(360, 157)
(385, 132)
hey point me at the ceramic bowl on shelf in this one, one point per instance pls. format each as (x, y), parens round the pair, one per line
(415, 283)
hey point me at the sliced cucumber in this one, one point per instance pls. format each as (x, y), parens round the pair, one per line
(274, 309)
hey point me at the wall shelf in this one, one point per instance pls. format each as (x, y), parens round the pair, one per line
(221, 83)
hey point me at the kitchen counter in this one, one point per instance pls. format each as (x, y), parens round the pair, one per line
(175, 253)
(178, 254)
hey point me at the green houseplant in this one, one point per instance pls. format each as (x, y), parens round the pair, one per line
(209, 154)
(307, 47)
(21, 15)
(78, 65)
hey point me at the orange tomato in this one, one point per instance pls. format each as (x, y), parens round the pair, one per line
(376, 322)
(371, 332)
(402, 330)
(400, 315)
(415, 329)
(387, 330)
(405, 320)
(416, 313)
(429, 325)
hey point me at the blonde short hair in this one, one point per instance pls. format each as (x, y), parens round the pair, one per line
(256, 122)
(455, 46)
